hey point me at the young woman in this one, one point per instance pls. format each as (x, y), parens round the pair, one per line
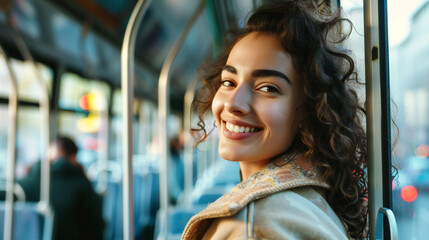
(284, 111)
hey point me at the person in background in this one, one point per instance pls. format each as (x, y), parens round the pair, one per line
(77, 208)
(176, 179)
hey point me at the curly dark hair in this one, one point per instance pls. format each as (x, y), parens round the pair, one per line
(330, 134)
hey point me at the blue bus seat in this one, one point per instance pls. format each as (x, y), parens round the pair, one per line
(178, 217)
(146, 205)
(28, 223)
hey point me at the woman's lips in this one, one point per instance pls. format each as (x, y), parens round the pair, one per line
(236, 130)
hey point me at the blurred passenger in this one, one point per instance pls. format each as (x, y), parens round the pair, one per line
(285, 110)
(77, 208)
(176, 179)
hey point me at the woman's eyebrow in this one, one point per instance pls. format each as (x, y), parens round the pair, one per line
(259, 73)
(269, 73)
(230, 69)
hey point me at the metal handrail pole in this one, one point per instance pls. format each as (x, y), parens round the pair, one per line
(127, 85)
(144, 127)
(103, 155)
(188, 148)
(393, 229)
(163, 105)
(44, 203)
(378, 120)
(11, 144)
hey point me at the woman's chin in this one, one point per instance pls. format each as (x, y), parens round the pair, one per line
(231, 155)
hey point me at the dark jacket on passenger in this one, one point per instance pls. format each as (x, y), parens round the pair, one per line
(77, 208)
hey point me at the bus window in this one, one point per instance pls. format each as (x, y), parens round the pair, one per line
(117, 127)
(28, 146)
(74, 87)
(117, 103)
(83, 115)
(27, 139)
(28, 86)
(353, 10)
(409, 71)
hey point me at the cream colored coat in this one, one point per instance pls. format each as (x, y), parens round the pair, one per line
(277, 202)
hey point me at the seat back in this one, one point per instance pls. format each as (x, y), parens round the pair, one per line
(28, 222)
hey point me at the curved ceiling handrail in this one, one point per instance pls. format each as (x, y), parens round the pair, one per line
(44, 205)
(188, 155)
(163, 107)
(127, 82)
(11, 145)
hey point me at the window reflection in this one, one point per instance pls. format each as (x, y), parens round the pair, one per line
(28, 148)
(409, 71)
(29, 88)
(74, 88)
(84, 116)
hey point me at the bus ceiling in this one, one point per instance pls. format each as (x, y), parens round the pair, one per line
(85, 37)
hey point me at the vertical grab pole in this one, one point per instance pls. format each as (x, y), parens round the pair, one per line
(163, 105)
(127, 82)
(44, 204)
(104, 154)
(189, 153)
(11, 142)
(378, 109)
(373, 99)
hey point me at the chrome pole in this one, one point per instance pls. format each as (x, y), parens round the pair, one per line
(144, 127)
(103, 155)
(127, 81)
(163, 105)
(11, 143)
(189, 151)
(44, 204)
(376, 97)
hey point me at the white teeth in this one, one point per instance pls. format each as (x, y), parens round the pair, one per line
(238, 129)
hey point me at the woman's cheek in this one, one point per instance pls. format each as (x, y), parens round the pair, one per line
(217, 105)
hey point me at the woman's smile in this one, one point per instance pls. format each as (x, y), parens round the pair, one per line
(238, 130)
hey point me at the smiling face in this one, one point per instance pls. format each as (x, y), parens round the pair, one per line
(256, 105)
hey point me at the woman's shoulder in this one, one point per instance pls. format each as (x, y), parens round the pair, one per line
(298, 213)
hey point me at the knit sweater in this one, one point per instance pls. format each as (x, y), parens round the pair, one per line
(283, 200)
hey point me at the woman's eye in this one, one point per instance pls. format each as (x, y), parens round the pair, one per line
(269, 89)
(227, 83)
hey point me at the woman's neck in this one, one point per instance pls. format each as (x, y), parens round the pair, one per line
(247, 169)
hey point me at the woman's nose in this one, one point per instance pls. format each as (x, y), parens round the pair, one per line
(239, 101)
